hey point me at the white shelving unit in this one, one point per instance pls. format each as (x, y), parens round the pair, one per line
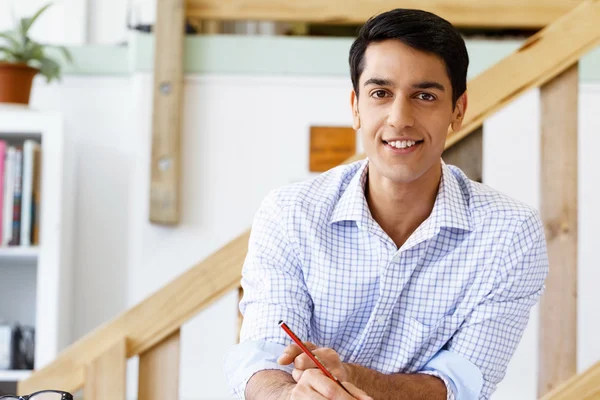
(19, 253)
(13, 376)
(36, 282)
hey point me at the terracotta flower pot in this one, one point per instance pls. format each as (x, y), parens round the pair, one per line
(15, 82)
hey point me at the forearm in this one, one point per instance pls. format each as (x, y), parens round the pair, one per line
(396, 386)
(269, 385)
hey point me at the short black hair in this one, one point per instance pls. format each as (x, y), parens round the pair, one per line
(420, 30)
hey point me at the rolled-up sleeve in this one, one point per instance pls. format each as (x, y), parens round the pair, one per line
(274, 290)
(245, 359)
(462, 378)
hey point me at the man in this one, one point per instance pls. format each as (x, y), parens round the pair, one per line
(409, 280)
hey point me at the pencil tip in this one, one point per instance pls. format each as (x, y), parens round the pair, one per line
(280, 322)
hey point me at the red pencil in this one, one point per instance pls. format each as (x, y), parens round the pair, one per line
(310, 354)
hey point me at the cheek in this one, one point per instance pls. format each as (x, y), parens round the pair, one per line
(435, 126)
(371, 120)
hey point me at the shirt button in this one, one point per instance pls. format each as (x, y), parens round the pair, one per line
(381, 320)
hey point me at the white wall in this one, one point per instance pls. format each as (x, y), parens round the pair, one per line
(244, 135)
(63, 23)
(98, 115)
(73, 22)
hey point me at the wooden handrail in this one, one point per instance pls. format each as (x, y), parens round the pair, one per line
(149, 322)
(541, 58)
(467, 13)
(584, 386)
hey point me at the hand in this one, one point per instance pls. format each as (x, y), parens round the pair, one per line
(328, 357)
(314, 385)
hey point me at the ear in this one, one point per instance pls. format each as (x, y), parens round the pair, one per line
(355, 115)
(459, 112)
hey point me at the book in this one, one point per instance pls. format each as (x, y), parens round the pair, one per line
(36, 195)
(18, 184)
(27, 193)
(9, 190)
(2, 163)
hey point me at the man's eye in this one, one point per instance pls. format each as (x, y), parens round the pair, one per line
(426, 96)
(379, 94)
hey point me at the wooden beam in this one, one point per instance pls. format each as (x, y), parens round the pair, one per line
(106, 376)
(212, 27)
(468, 155)
(462, 13)
(558, 305)
(585, 386)
(159, 370)
(152, 320)
(541, 58)
(166, 116)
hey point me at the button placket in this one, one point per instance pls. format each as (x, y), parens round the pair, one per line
(376, 326)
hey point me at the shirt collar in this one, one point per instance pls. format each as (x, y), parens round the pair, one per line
(352, 205)
(451, 208)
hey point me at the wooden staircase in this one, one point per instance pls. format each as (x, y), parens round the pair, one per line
(151, 330)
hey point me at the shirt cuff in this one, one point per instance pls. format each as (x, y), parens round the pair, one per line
(462, 378)
(450, 389)
(243, 360)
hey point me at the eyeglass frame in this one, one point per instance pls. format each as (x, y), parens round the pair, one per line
(65, 395)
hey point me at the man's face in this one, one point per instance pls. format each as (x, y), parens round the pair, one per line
(404, 109)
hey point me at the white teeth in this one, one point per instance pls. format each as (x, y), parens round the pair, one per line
(402, 144)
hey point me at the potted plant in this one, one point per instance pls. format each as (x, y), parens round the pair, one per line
(22, 58)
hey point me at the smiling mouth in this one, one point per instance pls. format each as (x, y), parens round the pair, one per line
(402, 144)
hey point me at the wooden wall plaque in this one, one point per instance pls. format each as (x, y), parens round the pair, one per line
(330, 146)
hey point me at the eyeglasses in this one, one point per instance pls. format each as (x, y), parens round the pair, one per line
(43, 395)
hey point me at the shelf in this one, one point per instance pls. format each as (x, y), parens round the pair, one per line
(19, 253)
(33, 280)
(14, 375)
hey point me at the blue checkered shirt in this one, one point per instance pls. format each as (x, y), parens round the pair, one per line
(452, 302)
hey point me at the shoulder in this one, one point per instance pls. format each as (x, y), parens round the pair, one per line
(320, 192)
(490, 206)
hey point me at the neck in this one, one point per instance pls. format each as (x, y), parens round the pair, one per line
(399, 208)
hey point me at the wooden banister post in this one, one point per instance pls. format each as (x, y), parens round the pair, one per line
(166, 115)
(468, 155)
(558, 306)
(106, 377)
(159, 370)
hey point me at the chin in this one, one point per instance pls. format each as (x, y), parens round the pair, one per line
(398, 173)
(402, 177)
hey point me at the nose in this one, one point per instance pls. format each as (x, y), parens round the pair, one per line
(401, 113)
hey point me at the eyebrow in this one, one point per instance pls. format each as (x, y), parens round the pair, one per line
(379, 82)
(420, 85)
(429, 85)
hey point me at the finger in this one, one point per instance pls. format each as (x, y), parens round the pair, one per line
(292, 351)
(325, 386)
(356, 392)
(297, 374)
(303, 361)
(305, 392)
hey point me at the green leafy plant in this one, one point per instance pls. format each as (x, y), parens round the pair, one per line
(20, 48)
